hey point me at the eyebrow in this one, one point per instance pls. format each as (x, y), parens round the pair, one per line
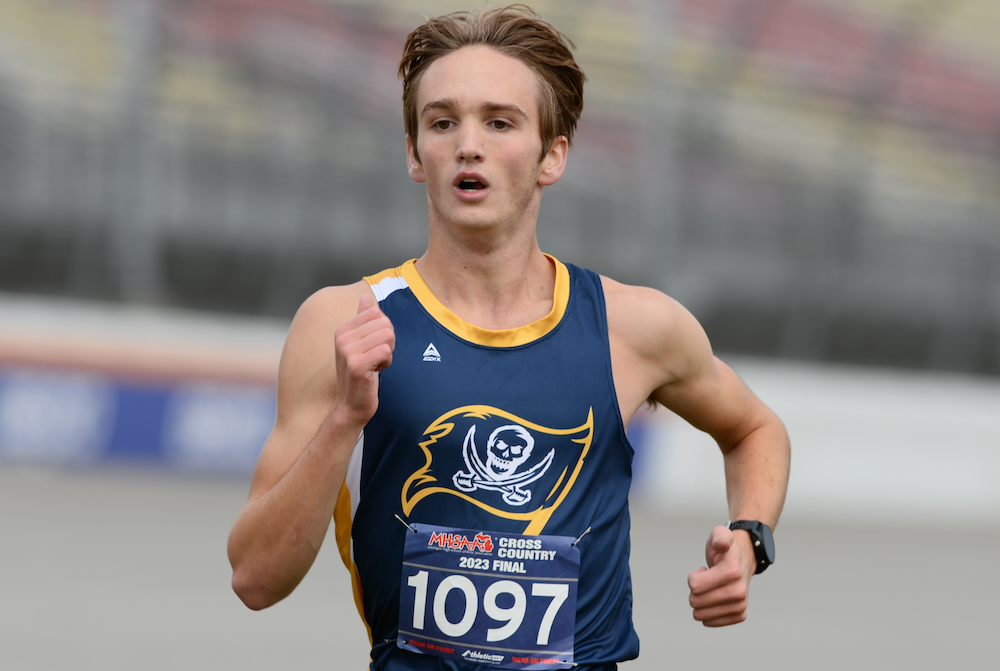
(451, 104)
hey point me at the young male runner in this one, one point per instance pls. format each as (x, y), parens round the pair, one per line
(481, 393)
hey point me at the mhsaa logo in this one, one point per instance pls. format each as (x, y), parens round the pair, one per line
(482, 542)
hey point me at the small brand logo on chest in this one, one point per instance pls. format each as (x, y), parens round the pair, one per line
(431, 353)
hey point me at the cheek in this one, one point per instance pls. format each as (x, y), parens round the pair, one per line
(525, 175)
(432, 167)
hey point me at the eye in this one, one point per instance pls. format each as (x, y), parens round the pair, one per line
(442, 124)
(500, 124)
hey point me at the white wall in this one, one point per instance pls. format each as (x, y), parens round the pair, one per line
(867, 444)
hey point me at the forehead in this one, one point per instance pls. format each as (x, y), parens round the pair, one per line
(474, 75)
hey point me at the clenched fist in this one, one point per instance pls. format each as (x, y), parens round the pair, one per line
(364, 346)
(719, 592)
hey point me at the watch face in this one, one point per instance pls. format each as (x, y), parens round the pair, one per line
(767, 541)
(763, 541)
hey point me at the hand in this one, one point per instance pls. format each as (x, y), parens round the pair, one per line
(719, 593)
(364, 346)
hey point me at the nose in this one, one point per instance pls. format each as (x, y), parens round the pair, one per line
(470, 144)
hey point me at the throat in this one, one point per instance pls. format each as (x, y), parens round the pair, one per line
(498, 306)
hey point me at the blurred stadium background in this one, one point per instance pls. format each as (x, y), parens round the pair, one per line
(817, 180)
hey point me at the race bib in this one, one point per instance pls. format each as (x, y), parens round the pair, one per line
(503, 600)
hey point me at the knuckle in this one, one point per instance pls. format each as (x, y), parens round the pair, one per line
(355, 367)
(383, 356)
(345, 342)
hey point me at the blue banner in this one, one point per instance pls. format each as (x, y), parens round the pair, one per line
(54, 417)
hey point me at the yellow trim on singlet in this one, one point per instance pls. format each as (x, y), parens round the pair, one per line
(389, 272)
(514, 337)
(343, 524)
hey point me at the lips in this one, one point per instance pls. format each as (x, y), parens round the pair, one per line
(470, 183)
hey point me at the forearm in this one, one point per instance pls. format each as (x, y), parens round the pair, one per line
(278, 534)
(757, 471)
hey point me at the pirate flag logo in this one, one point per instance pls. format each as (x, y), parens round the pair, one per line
(521, 471)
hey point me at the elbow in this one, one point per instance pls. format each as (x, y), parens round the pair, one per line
(249, 582)
(252, 593)
(262, 578)
(253, 584)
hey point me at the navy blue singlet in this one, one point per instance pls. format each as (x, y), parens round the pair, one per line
(539, 405)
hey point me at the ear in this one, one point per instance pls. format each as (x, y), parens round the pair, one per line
(413, 165)
(554, 163)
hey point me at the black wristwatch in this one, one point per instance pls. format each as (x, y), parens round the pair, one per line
(763, 541)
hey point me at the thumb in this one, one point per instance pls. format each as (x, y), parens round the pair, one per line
(366, 302)
(718, 545)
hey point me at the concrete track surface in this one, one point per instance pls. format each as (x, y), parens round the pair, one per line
(113, 570)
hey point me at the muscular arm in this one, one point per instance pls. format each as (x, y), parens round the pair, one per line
(327, 392)
(752, 438)
(659, 351)
(756, 452)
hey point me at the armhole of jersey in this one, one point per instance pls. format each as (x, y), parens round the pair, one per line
(343, 520)
(602, 310)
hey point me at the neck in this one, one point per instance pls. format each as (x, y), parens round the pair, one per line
(496, 288)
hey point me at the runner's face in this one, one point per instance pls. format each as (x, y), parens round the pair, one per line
(479, 141)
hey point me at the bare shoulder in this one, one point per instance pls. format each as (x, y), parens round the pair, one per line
(330, 306)
(659, 351)
(657, 346)
(308, 357)
(653, 330)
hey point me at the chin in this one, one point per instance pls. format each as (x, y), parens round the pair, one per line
(474, 220)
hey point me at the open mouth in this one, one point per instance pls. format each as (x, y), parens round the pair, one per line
(471, 185)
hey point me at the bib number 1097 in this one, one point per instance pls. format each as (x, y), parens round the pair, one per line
(512, 615)
(496, 599)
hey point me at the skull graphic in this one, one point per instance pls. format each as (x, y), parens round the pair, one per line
(508, 447)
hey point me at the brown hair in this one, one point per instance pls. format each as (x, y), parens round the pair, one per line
(515, 30)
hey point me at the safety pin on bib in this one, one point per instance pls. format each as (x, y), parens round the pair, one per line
(403, 522)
